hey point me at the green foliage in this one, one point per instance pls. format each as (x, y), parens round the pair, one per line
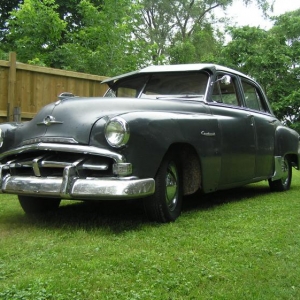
(175, 24)
(202, 46)
(182, 52)
(3, 55)
(36, 61)
(110, 37)
(272, 58)
(5, 9)
(290, 109)
(117, 36)
(98, 40)
(103, 44)
(69, 12)
(35, 29)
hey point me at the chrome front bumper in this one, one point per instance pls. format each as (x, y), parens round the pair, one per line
(70, 185)
(76, 188)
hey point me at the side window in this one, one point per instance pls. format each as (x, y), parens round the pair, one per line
(253, 98)
(225, 92)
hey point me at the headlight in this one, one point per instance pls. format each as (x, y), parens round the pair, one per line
(117, 132)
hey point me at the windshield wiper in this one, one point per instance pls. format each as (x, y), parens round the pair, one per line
(187, 96)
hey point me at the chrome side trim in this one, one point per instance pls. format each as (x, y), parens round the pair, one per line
(118, 158)
(70, 187)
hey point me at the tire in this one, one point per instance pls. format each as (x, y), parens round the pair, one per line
(284, 183)
(165, 204)
(38, 205)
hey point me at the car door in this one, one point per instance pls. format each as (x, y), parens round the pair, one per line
(237, 132)
(265, 126)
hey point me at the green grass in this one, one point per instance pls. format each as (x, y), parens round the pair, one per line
(237, 244)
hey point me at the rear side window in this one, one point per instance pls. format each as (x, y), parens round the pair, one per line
(253, 98)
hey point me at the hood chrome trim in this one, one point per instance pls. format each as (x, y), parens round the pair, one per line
(49, 120)
(52, 139)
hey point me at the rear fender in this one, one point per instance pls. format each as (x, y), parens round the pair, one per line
(287, 143)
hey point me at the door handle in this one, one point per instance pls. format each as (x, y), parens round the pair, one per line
(251, 117)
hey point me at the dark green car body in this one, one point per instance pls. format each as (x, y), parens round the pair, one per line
(158, 134)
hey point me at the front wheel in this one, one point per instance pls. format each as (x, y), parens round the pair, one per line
(165, 204)
(284, 183)
(37, 205)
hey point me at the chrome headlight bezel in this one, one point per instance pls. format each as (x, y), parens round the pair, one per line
(117, 132)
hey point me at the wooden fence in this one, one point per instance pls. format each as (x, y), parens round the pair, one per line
(25, 89)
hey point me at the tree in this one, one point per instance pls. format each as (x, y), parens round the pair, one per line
(103, 44)
(272, 58)
(5, 8)
(202, 46)
(168, 23)
(98, 41)
(67, 10)
(35, 29)
(287, 29)
(108, 37)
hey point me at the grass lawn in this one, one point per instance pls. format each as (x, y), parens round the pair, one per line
(237, 244)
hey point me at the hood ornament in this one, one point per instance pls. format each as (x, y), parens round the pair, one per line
(49, 120)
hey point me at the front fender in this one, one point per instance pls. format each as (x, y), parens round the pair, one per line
(8, 138)
(153, 133)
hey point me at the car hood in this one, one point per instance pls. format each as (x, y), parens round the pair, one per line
(73, 118)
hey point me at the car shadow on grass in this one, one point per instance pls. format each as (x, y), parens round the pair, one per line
(120, 216)
(199, 201)
(114, 216)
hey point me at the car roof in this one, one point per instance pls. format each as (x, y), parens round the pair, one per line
(175, 68)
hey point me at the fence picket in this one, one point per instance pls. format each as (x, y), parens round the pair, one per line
(25, 89)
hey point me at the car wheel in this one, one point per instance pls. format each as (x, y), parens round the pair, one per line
(35, 205)
(284, 183)
(165, 204)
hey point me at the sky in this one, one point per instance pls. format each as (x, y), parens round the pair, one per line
(241, 15)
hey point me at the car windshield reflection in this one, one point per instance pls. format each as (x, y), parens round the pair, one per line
(187, 85)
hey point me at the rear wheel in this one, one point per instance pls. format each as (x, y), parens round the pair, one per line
(284, 183)
(165, 204)
(36, 205)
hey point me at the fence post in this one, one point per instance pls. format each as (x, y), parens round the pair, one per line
(17, 114)
(11, 85)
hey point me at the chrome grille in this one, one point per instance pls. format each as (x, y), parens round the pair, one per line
(53, 165)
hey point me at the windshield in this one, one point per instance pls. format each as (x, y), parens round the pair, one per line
(161, 85)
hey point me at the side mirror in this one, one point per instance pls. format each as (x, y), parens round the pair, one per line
(226, 79)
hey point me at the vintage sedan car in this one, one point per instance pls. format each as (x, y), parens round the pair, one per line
(157, 134)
